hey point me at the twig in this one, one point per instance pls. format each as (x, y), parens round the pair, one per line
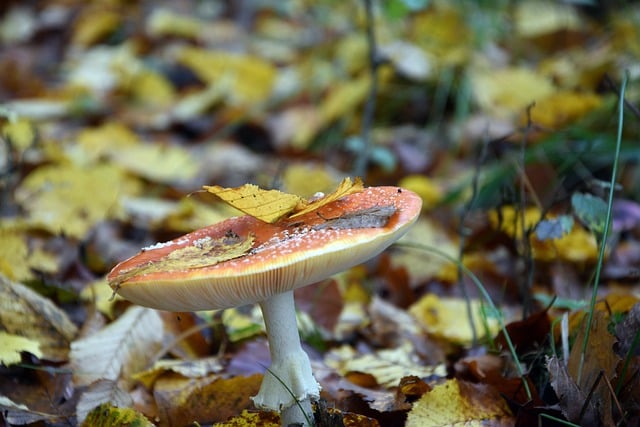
(362, 160)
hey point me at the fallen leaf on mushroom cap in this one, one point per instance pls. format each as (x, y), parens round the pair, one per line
(273, 205)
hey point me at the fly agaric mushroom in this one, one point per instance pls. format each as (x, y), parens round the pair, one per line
(244, 260)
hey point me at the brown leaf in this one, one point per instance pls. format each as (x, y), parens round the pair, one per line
(206, 400)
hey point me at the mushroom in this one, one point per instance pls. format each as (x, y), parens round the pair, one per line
(243, 260)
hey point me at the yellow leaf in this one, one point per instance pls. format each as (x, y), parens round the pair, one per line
(307, 180)
(165, 22)
(26, 313)
(345, 188)
(249, 79)
(266, 205)
(457, 403)
(445, 317)
(106, 415)
(559, 109)
(13, 345)
(537, 18)
(68, 199)
(577, 245)
(94, 25)
(509, 90)
(430, 193)
(101, 295)
(204, 252)
(20, 133)
(344, 98)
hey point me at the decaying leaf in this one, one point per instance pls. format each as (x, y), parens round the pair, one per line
(107, 415)
(366, 218)
(18, 261)
(26, 313)
(13, 345)
(446, 318)
(121, 349)
(101, 392)
(19, 414)
(186, 368)
(206, 400)
(273, 205)
(460, 403)
(204, 252)
(70, 199)
(386, 366)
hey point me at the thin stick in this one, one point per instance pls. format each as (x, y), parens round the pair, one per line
(362, 160)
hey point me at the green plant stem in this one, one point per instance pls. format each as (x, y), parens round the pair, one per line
(607, 225)
(487, 298)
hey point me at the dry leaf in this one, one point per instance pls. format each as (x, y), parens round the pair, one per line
(345, 188)
(387, 366)
(69, 199)
(446, 318)
(204, 252)
(460, 403)
(508, 91)
(273, 205)
(99, 392)
(266, 205)
(121, 349)
(107, 415)
(18, 261)
(206, 400)
(13, 345)
(246, 80)
(26, 313)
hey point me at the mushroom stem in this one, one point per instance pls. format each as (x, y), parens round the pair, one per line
(289, 381)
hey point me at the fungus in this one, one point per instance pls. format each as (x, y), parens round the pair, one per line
(244, 260)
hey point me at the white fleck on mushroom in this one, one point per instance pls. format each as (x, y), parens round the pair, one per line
(282, 257)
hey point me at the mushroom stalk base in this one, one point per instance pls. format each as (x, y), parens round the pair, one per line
(289, 381)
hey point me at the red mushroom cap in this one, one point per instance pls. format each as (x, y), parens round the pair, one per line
(282, 257)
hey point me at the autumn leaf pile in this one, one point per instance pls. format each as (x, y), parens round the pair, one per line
(502, 116)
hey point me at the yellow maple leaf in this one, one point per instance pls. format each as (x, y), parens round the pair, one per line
(266, 205)
(273, 205)
(345, 188)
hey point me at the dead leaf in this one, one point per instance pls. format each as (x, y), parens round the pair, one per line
(245, 80)
(203, 252)
(446, 318)
(460, 403)
(119, 350)
(25, 313)
(13, 345)
(345, 188)
(56, 197)
(107, 415)
(273, 205)
(387, 366)
(98, 393)
(206, 400)
(266, 205)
